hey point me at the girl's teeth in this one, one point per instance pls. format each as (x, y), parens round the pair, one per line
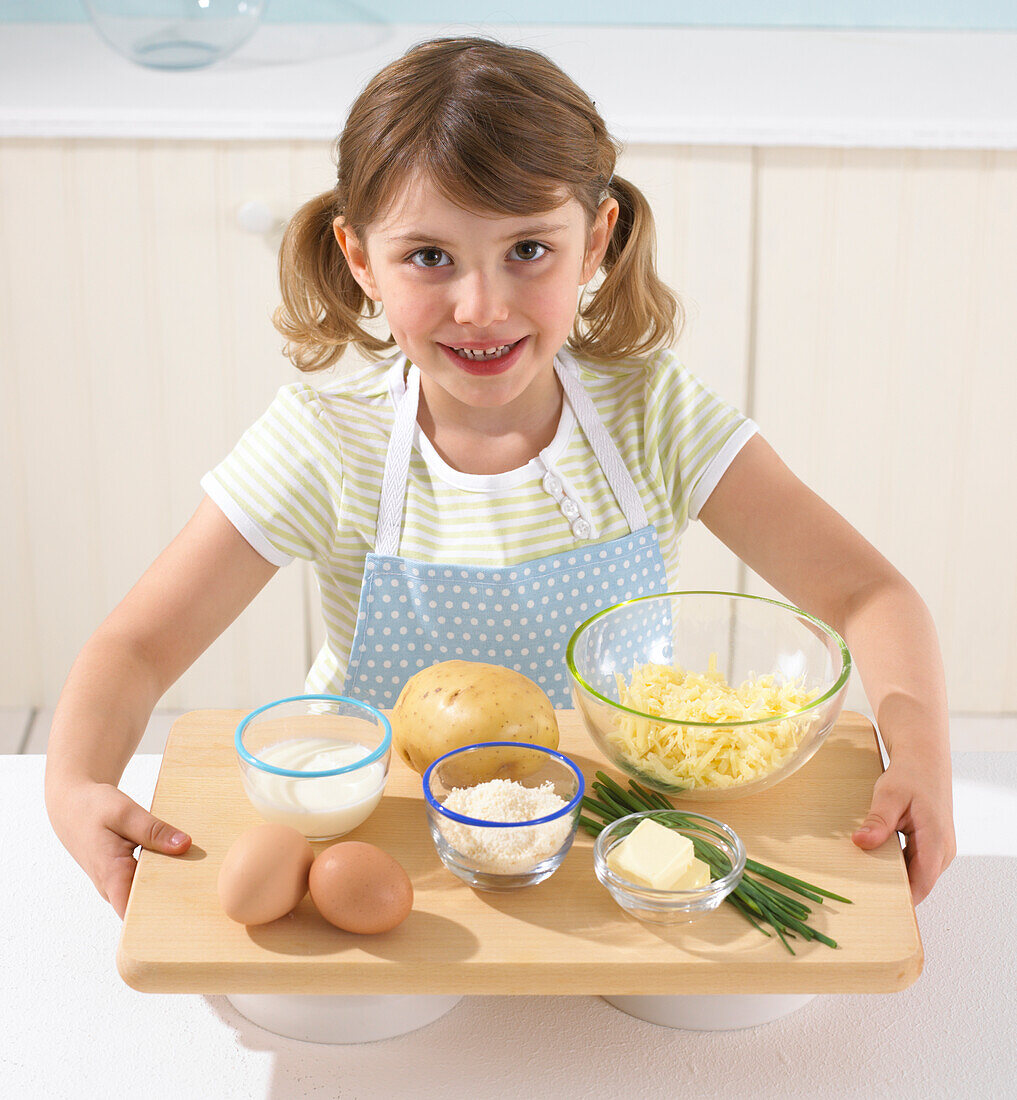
(494, 353)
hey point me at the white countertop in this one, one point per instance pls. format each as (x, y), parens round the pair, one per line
(72, 1029)
(685, 85)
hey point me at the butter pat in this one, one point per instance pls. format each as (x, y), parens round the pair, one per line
(696, 876)
(652, 855)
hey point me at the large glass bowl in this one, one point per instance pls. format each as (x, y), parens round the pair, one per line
(748, 637)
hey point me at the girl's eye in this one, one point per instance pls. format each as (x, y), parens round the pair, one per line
(527, 250)
(431, 257)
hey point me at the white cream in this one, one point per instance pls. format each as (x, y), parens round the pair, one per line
(323, 807)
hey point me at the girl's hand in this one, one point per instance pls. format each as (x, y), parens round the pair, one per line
(100, 826)
(912, 802)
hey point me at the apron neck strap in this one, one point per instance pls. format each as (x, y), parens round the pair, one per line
(601, 443)
(397, 466)
(400, 444)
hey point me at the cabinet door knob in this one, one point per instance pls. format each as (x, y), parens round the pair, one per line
(257, 217)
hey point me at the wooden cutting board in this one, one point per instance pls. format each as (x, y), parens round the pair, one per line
(563, 936)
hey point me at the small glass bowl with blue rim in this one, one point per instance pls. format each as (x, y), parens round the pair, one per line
(318, 763)
(502, 855)
(655, 906)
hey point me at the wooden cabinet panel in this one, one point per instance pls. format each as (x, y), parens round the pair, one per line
(702, 207)
(886, 297)
(130, 366)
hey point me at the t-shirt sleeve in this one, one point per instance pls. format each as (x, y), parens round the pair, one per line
(695, 433)
(280, 484)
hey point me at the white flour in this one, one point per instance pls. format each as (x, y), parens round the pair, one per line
(505, 851)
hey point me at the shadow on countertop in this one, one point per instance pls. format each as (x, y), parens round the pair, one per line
(950, 1034)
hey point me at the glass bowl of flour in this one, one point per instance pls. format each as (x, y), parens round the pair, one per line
(503, 814)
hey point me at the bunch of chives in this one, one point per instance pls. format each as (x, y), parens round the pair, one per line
(754, 897)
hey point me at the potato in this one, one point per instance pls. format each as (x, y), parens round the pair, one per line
(456, 703)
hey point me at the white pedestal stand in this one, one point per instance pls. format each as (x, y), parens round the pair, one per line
(331, 1019)
(712, 1012)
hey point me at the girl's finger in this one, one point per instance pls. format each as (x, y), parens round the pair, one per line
(117, 885)
(927, 855)
(136, 826)
(141, 827)
(883, 818)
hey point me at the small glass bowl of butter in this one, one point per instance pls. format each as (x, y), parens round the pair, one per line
(651, 864)
(318, 763)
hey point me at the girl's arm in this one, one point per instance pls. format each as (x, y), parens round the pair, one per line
(198, 585)
(796, 542)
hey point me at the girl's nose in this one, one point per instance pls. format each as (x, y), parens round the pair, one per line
(479, 301)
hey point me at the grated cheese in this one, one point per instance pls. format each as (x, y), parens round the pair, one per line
(708, 757)
(505, 851)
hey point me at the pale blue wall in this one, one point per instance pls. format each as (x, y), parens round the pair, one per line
(916, 14)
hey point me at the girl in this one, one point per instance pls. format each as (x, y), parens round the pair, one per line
(448, 494)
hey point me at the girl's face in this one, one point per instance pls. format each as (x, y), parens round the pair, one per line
(452, 279)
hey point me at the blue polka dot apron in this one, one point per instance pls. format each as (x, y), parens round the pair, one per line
(413, 614)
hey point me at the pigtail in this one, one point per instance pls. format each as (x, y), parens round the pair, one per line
(632, 311)
(322, 303)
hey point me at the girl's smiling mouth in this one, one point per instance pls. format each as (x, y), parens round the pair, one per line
(482, 364)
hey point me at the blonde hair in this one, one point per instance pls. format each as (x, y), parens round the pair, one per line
(497, 129)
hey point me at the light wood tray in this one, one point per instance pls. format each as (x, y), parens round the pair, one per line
(563, 936)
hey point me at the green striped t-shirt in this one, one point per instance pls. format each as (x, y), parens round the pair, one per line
(305, 481)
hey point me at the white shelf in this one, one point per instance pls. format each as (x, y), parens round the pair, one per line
(713, 86)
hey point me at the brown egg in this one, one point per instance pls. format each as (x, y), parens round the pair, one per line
(360, 888)
(264, 874)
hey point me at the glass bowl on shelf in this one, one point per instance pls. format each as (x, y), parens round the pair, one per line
(642, 668)
(175, 34)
